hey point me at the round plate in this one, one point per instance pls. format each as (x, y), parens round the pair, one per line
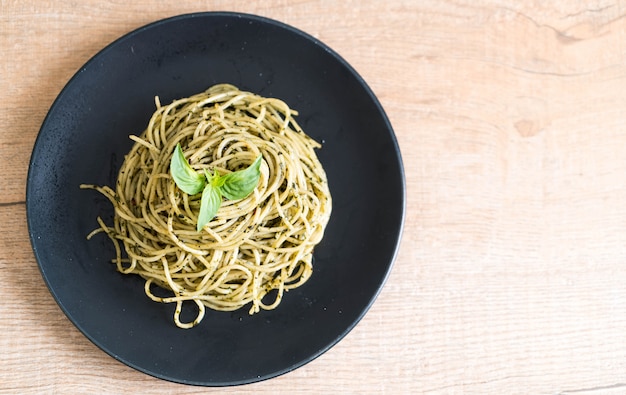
(84, 139)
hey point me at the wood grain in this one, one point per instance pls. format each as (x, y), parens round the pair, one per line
(511, 120)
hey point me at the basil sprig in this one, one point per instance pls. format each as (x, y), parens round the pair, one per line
(233, 186)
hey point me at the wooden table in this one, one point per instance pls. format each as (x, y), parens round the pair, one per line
(511, 118)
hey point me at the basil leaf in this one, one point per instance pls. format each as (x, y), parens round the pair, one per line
(239, 184)
(234, 186)
(209, 204)
(186, 178)
(214, 179)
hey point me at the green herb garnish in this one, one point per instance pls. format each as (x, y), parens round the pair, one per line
(186, 178)
(233, 186)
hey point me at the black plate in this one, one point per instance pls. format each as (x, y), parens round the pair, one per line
(85, 136)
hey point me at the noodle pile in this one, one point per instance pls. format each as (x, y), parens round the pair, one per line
(255, 248)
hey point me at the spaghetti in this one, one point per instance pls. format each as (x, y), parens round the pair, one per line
(255, 248)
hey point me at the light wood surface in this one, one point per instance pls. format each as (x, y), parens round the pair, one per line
(511, 118)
